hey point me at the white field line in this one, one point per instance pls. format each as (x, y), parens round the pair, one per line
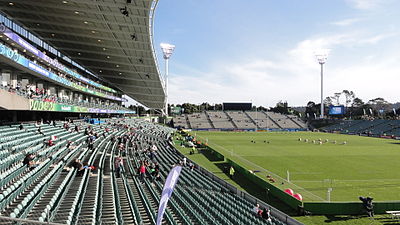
(263, 169)
(340, 181)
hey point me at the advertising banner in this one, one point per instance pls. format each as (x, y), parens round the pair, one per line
(13, 55)
(37, 105)
(54, 62)
(169, 185)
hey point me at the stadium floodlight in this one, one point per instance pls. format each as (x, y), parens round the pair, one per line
(167, 49)
(322, 56)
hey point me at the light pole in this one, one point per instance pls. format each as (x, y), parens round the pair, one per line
(322, 56)
(167, 52)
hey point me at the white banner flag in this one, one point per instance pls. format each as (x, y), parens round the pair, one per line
(169, 185)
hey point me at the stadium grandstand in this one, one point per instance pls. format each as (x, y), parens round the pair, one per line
(64, 62)
(85, 65)
(239, 120)
(375, 127)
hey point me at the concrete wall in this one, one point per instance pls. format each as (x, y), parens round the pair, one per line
(12, 101)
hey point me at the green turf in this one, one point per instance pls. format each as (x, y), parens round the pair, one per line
(209, 162)
(347, 220)
(364, 166)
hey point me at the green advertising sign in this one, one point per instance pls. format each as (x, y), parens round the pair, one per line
(37, 105)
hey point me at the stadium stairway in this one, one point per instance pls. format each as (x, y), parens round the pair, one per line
(68, 201)
(198, 193)
(251, 119)
(209, 120)
(149, 198)
(272, 120)
(187, 121)
(297, 121)
(231, 119)
(43, 186)
(23, 186)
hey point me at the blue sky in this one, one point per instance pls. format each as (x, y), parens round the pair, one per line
(263, 50)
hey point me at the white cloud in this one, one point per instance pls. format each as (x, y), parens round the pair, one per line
(369, 79)
(304, 52)
(366, 4)
(377, 38)
(346, 22)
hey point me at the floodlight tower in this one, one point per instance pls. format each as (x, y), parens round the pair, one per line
(167, 49)
(322, 56)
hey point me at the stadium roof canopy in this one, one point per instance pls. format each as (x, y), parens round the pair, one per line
(111, 38)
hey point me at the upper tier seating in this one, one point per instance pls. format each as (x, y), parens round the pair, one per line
(53, 98)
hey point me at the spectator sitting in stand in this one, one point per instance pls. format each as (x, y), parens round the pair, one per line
(191, 166)
(90, 144)
(266, 214)
(39, 130)
(50, 143)
(70, 145)
(257, 210)
(77, 164)
(28, 161)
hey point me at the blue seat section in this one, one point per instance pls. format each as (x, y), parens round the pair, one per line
(377, 127)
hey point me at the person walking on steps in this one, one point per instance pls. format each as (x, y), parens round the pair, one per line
(231, 172)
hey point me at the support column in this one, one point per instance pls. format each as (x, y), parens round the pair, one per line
(52, 90)
(6, 76)
(13, 80)
(14, 116)
(24, 82)
(61, 93)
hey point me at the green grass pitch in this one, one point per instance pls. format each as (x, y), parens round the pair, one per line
(363, 166)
